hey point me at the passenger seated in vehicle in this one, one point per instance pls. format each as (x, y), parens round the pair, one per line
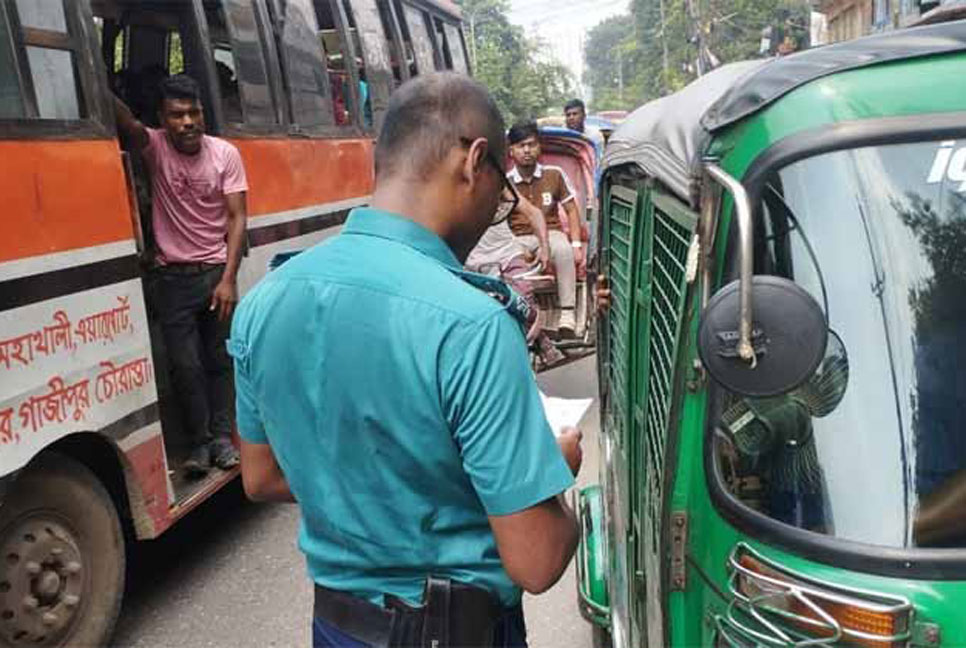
(500, 254)
(548, 188)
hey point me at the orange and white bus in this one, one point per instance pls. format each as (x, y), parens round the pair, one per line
(90, 441)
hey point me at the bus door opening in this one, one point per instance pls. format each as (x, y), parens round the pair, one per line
(142, 44)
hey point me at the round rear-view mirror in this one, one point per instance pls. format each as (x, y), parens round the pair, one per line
(789, 334)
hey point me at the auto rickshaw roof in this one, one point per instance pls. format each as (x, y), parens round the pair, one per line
(667, 137)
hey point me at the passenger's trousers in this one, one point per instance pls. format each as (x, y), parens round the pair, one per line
(562, 258)
(194, 342)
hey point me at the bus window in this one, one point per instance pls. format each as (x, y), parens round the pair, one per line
(305, 63)
(391, 29)
(336, 54)
(421, 39)
(43, 14)
(409, 52)
(376, 46)
(51, 84)
(240, 63)
(175, 54)
(444, 58)
(11, 99)
(360, 67)
(454, 40)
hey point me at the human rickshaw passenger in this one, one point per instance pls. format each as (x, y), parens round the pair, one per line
(549, 189)
(500, 254)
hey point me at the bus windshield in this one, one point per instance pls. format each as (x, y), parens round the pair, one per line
(873, 448)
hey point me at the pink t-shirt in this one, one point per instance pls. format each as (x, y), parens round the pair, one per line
(190, 212)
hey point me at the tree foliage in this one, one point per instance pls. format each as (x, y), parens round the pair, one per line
(507, 62)
(655, 50)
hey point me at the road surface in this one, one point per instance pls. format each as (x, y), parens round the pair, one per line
(231, 575)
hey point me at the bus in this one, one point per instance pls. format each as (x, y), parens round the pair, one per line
(90, 435)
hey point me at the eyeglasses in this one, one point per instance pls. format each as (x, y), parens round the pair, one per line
(509, 198)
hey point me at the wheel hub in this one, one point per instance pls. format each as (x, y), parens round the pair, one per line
(43, 581)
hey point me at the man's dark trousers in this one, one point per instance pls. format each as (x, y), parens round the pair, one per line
(511, 632)
(194, 340)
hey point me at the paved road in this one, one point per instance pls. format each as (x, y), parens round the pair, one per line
(230, 574)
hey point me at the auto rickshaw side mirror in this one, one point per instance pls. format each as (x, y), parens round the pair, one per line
(789, 335)
(759, 336)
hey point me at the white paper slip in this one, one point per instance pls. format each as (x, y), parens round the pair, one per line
(564, 412)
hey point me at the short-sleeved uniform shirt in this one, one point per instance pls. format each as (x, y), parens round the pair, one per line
(189, 205)
(548, 188)
(400, 405)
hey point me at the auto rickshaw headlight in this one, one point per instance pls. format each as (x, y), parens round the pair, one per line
(774, 602)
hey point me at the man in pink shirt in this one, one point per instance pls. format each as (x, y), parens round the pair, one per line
(198, 188)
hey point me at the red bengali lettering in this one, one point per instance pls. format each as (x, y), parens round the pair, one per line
(62, 402)
(7, 434)
(115, 381)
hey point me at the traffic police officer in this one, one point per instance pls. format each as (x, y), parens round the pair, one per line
(392, 398)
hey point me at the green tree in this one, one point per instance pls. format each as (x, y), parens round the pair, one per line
(662, 44)
(506, 61)
(609, 55)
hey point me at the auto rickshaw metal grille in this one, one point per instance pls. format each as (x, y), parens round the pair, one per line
(671, 241)
(665, 231)
(620, 235)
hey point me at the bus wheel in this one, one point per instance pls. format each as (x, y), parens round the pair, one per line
(62, 551)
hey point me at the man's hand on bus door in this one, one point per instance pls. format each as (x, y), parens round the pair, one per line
(261, 476)
(569, 442)
(602, 294)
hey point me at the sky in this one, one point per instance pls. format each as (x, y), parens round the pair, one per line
(563, 25)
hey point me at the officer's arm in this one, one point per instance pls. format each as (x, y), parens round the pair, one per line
(536, 544)
(509, 452)
(262, 478)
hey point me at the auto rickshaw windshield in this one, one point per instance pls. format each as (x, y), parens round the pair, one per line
(873, 449)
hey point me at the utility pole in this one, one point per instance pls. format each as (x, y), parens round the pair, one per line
(620, 75)
(473, 38)
(666, 67)
(694, 13)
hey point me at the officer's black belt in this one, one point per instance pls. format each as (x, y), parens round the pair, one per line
(453, 615)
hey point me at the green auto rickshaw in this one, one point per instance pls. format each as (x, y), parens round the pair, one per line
(783, 365)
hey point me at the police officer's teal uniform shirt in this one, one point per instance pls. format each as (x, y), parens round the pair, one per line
(401, 406)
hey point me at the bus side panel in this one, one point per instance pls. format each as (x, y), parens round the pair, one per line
(292, 174)
(301, 192)
(75, 349)
(60, 196)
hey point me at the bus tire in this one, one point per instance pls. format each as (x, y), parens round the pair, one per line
(63, 556)
(601, 637)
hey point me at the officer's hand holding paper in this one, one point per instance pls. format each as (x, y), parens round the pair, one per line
(564, 414)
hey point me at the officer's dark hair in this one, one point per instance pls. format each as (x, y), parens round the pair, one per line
(575, 103)
(179, 86)
(522, 130)
(428, 116)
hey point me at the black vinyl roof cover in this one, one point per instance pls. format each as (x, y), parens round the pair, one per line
(665, 137)
(668, 136)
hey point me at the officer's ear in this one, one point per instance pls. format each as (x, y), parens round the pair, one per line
(475, 162)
